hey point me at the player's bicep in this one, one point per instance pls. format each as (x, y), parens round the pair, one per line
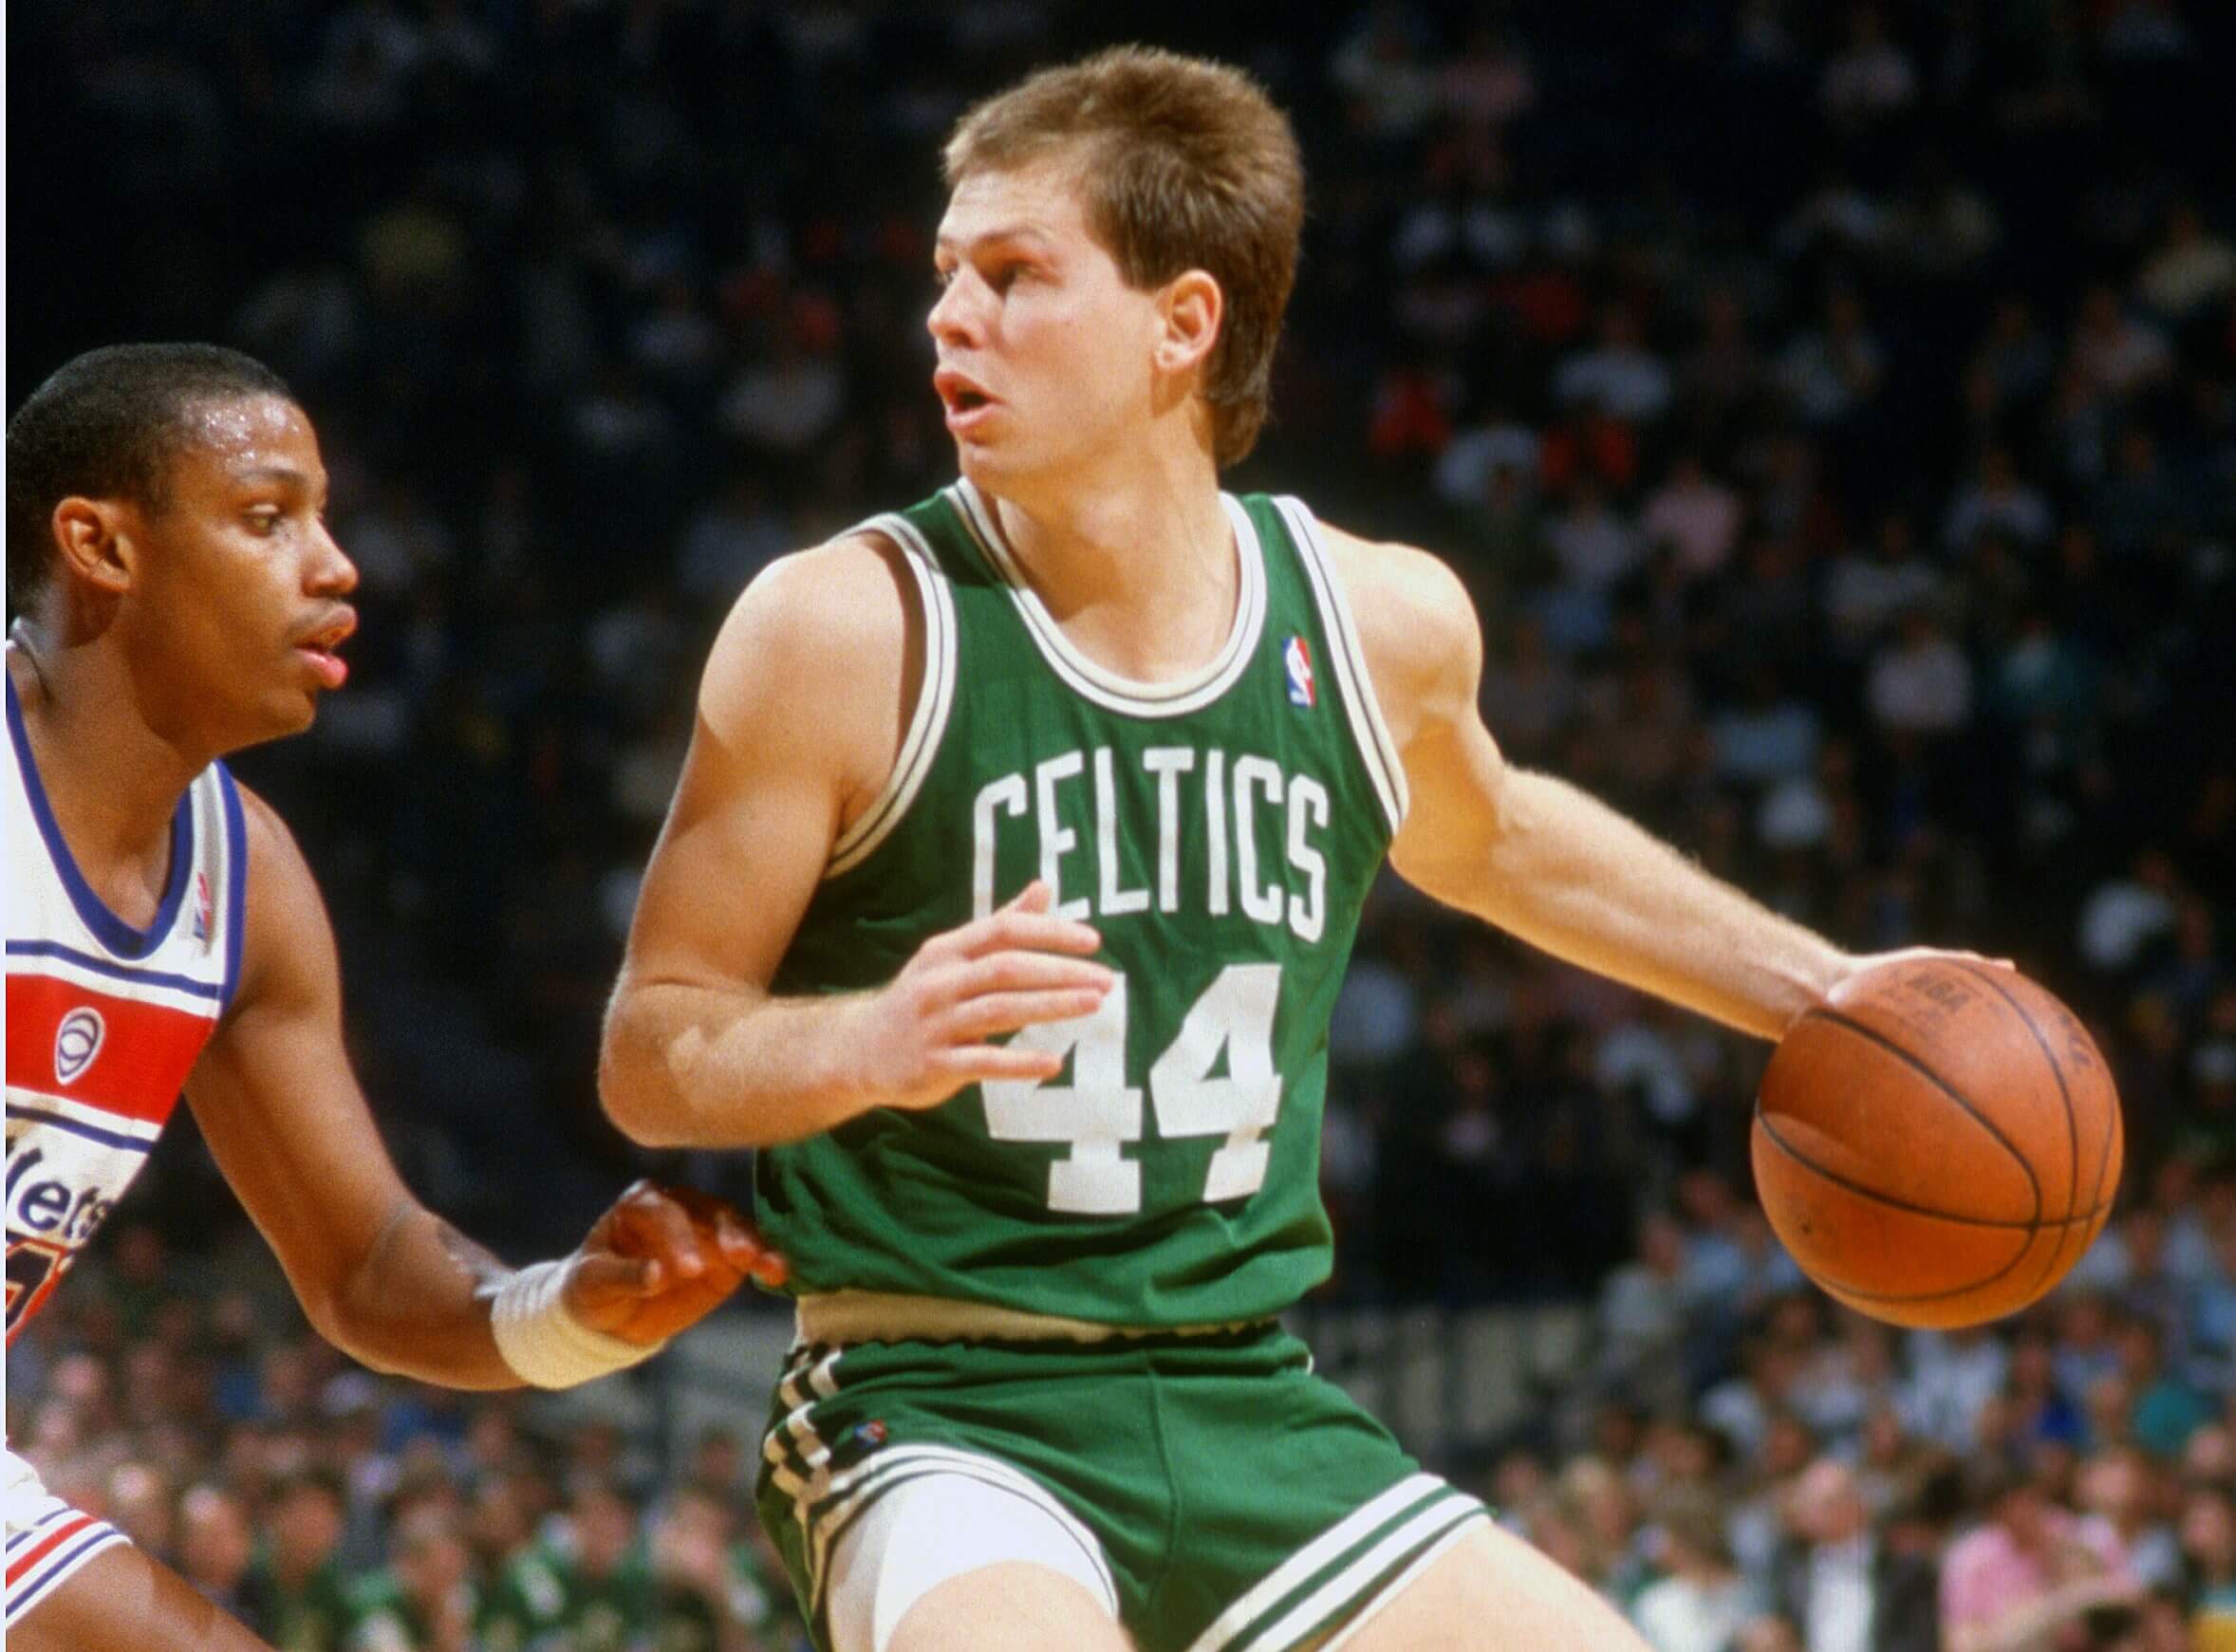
(1456, 777)
(1423, 648)
(795, 714)
(745, 844)
(274, 1092)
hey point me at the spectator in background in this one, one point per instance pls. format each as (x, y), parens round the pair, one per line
(1695, 517)
(425, 1599)
(1642, 1314)
(1621, 375)
(1841, 1582)
(2120, 1485)
(1998, 499)
(2207, 1537)
(1872, 78)
(1834, 371)
(296, 1596)
(1920, 682)
(2166, 1409)
(2116, 355)
(214, 1544)
(1701, 1601)
(2030, 1570)
(2190, 269)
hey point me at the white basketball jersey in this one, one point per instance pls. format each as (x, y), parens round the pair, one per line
(103, 1020)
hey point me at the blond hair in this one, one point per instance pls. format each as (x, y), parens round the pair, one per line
(1184, 165)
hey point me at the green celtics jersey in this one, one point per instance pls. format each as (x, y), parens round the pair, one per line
(1221, 832)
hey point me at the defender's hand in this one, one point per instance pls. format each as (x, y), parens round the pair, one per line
(661, 1258)
(929, 1033)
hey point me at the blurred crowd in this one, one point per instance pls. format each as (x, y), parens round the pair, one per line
(1833, 409)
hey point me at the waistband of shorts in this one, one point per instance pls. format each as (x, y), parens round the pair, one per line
(838, 1318)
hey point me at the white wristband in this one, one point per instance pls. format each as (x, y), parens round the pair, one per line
(544, 1343)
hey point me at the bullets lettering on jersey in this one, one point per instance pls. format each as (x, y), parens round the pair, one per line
(48, 1206)
(1259, 841)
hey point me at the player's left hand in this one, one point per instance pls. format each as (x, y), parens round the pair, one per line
(662, 1258)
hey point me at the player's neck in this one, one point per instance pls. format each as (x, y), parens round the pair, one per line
(110, 779)
(1137, 564)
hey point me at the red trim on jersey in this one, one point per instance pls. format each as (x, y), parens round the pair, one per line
(146, 1049)
(47, 1546)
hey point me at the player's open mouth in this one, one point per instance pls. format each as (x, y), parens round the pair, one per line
(318, 648)
(966, 403)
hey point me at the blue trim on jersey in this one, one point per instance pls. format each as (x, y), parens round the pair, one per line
(76, 1127)
(236, 883)
(55, 949)
(110, 930)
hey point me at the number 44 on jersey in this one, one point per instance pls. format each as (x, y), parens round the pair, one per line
(1099, 1111)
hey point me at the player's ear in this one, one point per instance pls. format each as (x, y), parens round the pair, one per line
(90, 536)
(1189, 311)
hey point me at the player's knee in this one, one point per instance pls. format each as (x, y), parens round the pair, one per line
(950, 1561)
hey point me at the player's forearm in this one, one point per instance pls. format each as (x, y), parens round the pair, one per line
(698, 1066)
(1572, 876)
(418, 1304)
(2025, 1624)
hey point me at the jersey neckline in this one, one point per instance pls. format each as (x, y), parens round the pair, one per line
(1107, 688)
(121, 939)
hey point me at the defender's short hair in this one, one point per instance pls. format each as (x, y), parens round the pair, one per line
(106, 425)
(1184, 165)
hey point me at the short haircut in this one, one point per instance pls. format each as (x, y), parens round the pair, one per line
(1184, 165)
(106, 425)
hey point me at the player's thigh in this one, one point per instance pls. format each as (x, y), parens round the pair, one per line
(1490, 1592)
(1010, 1606)
(972, 1557)
(121, 1597)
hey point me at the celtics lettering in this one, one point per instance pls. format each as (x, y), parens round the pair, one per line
(1233, 833)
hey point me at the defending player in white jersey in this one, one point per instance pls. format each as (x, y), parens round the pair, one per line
(177, 597)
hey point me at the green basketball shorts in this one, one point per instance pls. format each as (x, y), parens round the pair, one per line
(1228, 1499)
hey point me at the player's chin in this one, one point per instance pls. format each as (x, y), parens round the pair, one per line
(288, 709)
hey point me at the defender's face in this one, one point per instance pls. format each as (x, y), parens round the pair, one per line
(1044, 351)
(236, 606)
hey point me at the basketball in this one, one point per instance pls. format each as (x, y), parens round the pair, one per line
(1939, 1147)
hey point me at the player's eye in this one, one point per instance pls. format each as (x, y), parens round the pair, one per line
(264, 518)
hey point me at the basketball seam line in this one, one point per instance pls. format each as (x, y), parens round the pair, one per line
(1903, 1204)
(1872, 1035)
(2064, 1097)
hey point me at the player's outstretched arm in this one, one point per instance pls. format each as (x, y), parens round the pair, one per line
(1539, 858)
(800, 716)
(378, 1273)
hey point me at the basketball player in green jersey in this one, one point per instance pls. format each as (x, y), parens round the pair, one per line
(1003, 904)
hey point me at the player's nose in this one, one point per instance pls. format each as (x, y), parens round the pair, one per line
(331, 572)
(954, 320)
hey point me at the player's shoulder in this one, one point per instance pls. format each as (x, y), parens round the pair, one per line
(1416, 621)
(812, 633)
(271, 850)
(287, 938)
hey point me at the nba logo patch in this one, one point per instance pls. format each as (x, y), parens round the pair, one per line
(202, 907)
(77, 1041)
(1296, 660)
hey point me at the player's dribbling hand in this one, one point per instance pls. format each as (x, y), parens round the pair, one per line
(661, 1258)
(1863, 963)
(930, 1033)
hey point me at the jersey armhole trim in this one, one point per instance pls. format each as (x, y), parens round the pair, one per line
(236, 884)
(1370, 732)
(935, 698)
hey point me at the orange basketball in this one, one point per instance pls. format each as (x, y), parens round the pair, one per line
(1940, 1147)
